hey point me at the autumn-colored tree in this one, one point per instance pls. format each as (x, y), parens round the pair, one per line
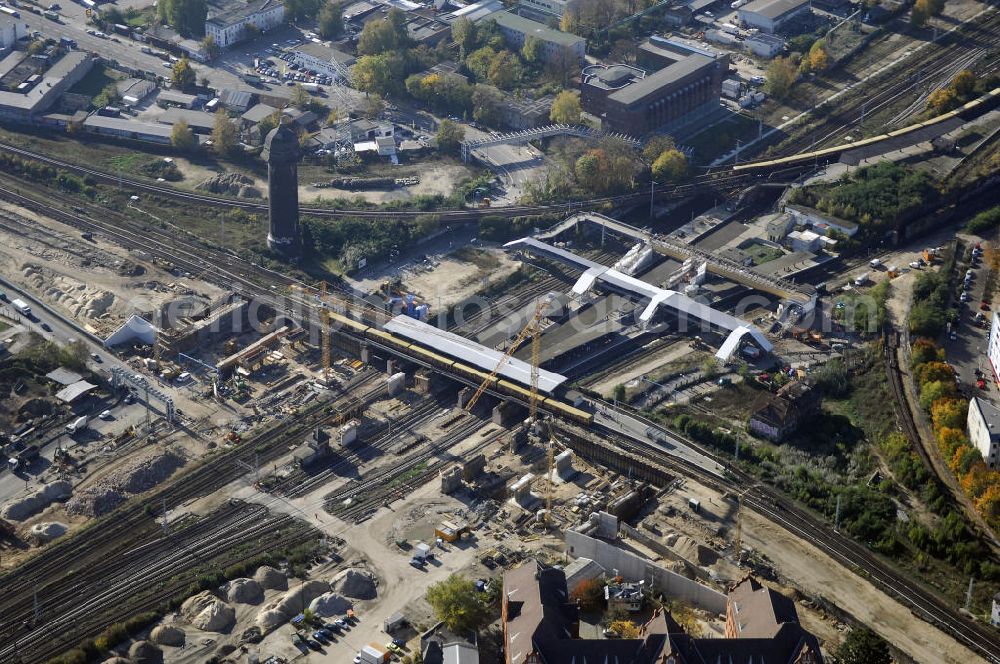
(566, 108)
(949, 440)
(818, 57)
(625, 629)
(988, 503)
(949, 413)
(781, 74)
(976, 481)
(963, 459)
(964, 83)
(934, 390)
(942, 101)
(670, 166)
(931, 371)
(925, 350)
(919, 14)
(589, 594)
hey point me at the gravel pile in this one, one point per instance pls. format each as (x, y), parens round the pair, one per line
(167, 635)
(243, 591)
(298, 598)
(234, 184)
(270, 579)
(33, 503)
(144, 652)
(270, 619)
(355, 583)
(330, 604)
(140, 474)
(48, 531)
(208, 613)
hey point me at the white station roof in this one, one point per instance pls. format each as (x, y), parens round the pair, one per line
(466, 350)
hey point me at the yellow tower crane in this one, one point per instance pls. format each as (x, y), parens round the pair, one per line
(532, 329)
(324, 331)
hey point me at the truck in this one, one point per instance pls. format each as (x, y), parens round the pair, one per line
(66, 42)
(24, 458)
(251, 79)
(79, 424)
(21, 306)
(10, 12)
(310, 87)
(374, 654)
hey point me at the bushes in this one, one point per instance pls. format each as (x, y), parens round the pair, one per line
(984, 221)
(930, 297)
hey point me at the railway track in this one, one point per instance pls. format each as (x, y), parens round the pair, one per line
(769, 503)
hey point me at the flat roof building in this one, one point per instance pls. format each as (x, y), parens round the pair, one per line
(983, 422)
(229, 20)
(200, 122)
(60, 77)
(127, 128)
(770, 15)
(516, 30)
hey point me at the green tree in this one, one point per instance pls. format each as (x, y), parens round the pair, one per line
(212, 49)
(486, 104)
(781, 75)
(224, 138)
(108, 95)
(379, 74)
(919, 14)
(450, 136)
(862, 646)
(181, 136)
(818, 58)
(587, 169)
(331, 20)
(456, 603)
(656, 146)
(463, 33)
(299, 97)
(185, 16)
(384, 35)
(183, 75)
(505, 70)
(301, 9)
(478, 62)
(670, 166)
(532, 50)
(964, 83)
(265, 126)
(566, 108)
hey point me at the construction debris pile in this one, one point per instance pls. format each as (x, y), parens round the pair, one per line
(140, 474)
(234, 184)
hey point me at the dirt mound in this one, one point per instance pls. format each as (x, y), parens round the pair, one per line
(48, 531)
(117, 660)
(694, 552)
(355, 583)
(144, 652)
(234, 184)
(167, 635)
(138, 475)
(330, 604)
(243, 591)
(269, 619)
(270, 579)
(208, 613)
(33, 503)
(300, 596)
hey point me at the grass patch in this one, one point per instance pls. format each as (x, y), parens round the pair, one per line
(411, 474)
(722, 137)
(762, 253)
(96, 80)
(4, 326)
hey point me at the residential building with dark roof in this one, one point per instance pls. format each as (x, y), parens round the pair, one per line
(541, 625)
(775, 416)
(676, 83)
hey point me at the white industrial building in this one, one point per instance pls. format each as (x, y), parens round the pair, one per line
(11, 29)
(229, 23)
(983, 423)
(516, 30)
(770, 15)
(764, 45)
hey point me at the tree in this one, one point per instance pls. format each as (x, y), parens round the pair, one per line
(387, 34)
(656, 146)
(588, 169)
(561, 65)
(919, 14)
(108, 95)
(374, 107)
(589, 594)
(379, 74)
(224, 134)
(463, 33)
(181, 136)
(456, 603)
(183, 75)
(301, 9)
(532, 50)
(625, 629)
(332, 117)
(670, 166)
(450, 136)
(964, 83)
(299, 97)
(486, 104)
(566, 108)
(265, 126)
(781, 75)
(818, 58)
(212, 49)
(331, 20)
(185, 16)
(862, 646)
(505, 70)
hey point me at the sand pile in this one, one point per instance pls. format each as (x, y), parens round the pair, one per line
(243, 591)
(48, 531)
(33, 503)
(144, 652)
(75, 296)
(167, 635)
(138, 475)
(208, 613)
(117, 660)
(269, 619)
(270, 579)
(330, 604)
(299, 597)
(234, 184)
(355, 583)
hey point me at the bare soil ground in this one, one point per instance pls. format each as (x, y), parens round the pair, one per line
(437, 178)
(457, 276)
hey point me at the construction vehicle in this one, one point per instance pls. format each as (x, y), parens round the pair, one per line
(485, 203)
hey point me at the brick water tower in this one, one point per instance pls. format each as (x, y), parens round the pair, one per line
(281, 151)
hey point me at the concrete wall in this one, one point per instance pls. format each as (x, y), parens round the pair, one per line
(634, 568)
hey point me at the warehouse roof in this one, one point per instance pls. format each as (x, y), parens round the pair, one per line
(653, 83)
(469, 351)
(71, 393)
(773, 9)
(129, 125)
(231, 13)
(194, 119)
(64, 376)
